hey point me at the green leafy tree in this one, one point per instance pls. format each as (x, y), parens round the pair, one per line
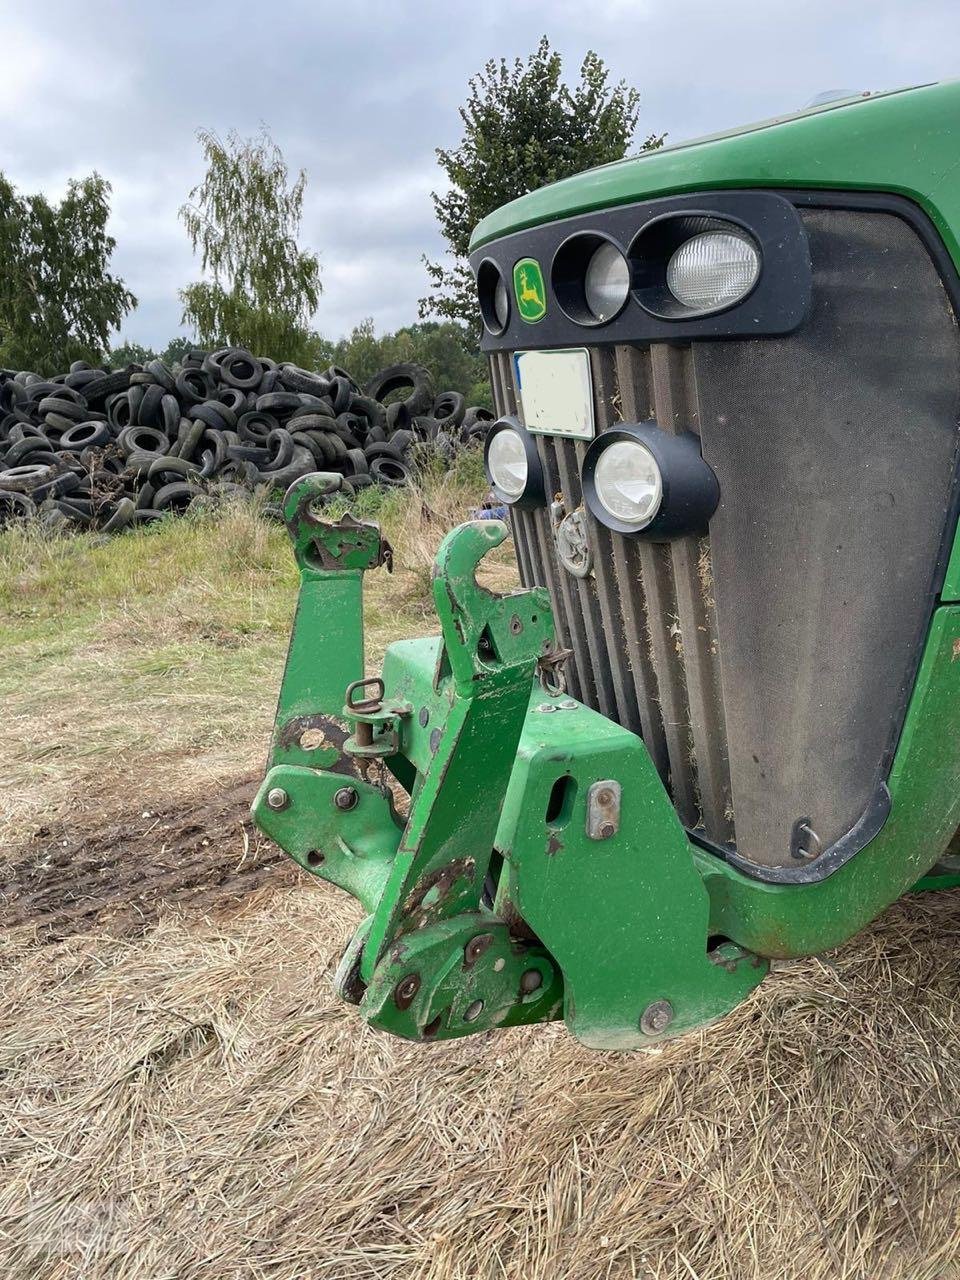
(130, 353)
(58, 300)
(244, 220)
(136, 353)
(523, 127)
(448, 349)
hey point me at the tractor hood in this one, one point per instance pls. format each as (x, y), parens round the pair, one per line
(905, 141)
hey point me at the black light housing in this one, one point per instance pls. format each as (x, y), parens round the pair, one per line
(489, 276)
(534, 492)
(655, 245)
(690, 491)
(568, 275)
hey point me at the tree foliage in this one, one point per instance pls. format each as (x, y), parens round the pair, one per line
(449, 350)
(523, 127)
(58, 301)
(135, 353)
(244, 220)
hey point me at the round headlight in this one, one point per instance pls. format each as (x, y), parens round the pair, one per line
(628, 483)
(501, 303)
(606, 282)
(513, 465)
(639, 479)
(713, 270)
(507, 462)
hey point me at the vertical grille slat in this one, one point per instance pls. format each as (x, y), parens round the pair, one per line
(642, 626)
(586, 591)
(677, 411)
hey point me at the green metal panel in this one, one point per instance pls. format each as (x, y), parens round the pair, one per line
(906, 142)
(951, 586)
(793, 920)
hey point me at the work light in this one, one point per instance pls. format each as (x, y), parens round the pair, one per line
(513, 465)
(712, 270)
(637, 478)
(606, 281)
(628, 482)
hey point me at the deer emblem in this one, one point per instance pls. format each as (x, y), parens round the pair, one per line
(528, 291)
(529, 288)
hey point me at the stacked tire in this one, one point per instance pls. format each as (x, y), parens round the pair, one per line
(106, 450)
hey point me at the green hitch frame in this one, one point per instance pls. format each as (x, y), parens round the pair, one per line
(515, 853)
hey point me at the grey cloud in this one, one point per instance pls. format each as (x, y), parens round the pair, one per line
(361, 94)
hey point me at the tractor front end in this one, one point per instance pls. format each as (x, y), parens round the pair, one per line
(718, 724)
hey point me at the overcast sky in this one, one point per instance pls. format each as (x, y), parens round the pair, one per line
(361, 92)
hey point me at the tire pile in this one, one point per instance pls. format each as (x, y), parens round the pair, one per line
(105, 450)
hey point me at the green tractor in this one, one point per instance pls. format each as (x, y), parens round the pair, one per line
(721, 722)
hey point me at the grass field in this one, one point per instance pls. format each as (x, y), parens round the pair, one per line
(181, 1096)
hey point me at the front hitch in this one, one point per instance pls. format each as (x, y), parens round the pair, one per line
(514, 852)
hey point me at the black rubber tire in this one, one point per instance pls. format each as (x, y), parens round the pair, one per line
(402, 440)
(73, 410)
(294, 379)
(374, 451)
(213, 414)
(281, 446)
(161, 375)
(255, 427)
(397, 376)
(240, 369)
(449, 409)
(137, 439)
(372, 410)
(85, 435)
(341, 393)
(110, 384)
(194, 386)
(278, 403)
(176, 496)
(16, 506)
(123, 514)
(391, 473)
(357, 461)
(20, 449)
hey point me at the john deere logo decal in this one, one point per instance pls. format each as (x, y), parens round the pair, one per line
(528, 286)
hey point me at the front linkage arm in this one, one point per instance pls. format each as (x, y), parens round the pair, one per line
(541, 866)
(431, 959)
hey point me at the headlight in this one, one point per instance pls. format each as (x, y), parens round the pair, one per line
(607, 281)
(639, 479)
(690, 265)
(493, 297)
(591, 278)
(512, 464)
(628, 482)
(501, 303)
(713, 269)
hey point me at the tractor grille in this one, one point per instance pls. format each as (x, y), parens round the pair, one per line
(768, 666)
(642, 628)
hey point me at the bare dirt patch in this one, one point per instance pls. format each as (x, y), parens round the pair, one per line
(116, 872)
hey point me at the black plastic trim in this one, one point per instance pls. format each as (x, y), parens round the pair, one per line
(568, 277)
(777, 304)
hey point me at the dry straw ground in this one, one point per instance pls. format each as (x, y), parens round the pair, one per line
(181, 1098)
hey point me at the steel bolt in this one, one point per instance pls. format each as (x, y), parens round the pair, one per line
(424, 717)
(531, 981)
(405, 990)
(346, 798)
(656, 1017)
(475, 948)
(473, 1011)
(277, 798)
(607, 829)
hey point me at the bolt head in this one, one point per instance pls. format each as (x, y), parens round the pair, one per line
(405, 990)
(530, 981)
(346, 798)
(277, 798)
(607, 829)
(473, 1011)
(656, 1017)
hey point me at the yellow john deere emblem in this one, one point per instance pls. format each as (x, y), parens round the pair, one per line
(528, 286)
